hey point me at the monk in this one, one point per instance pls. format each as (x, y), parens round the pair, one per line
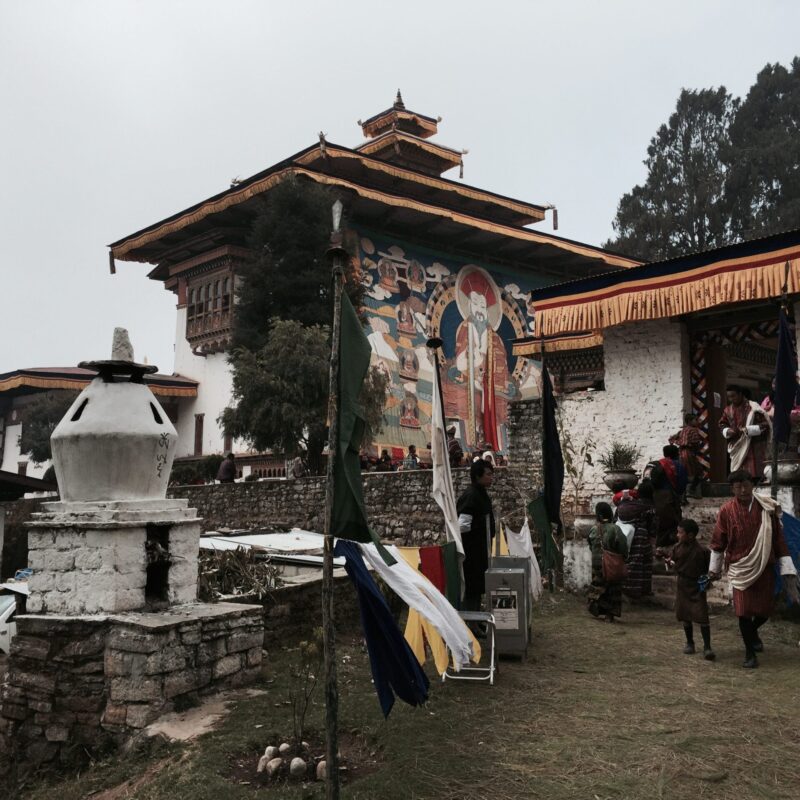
(749, 539)
(747, 429)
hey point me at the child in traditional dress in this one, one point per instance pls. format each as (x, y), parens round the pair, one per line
(691, 561)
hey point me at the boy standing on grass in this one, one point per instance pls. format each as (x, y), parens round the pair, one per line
(690, 560)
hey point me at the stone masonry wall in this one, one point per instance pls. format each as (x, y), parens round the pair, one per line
(399, 504)
(293, 611)
(646, 394)
(79, 682)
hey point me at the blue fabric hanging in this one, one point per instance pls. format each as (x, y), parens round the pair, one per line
(791, 532)
(395, 669)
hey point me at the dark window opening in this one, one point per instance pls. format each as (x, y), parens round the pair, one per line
(77, 415)
(156, 591)
(156, 415)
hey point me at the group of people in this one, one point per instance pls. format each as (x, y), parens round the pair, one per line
(747, 539)
(411, 460)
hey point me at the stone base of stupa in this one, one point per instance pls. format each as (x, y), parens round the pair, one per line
(81, 683)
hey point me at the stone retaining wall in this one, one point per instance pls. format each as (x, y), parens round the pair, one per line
(399, 504)
(293, 611)
(76, 682)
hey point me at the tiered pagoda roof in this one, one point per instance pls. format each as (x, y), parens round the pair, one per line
(392, 183)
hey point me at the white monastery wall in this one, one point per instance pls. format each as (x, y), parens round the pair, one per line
(646, 394)
(213, 373)
(12, 456)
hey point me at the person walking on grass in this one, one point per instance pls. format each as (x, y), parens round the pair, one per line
(748, 540)
(690, 561)
(608, 545)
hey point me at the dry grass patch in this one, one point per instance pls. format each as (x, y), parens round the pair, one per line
(597, 712)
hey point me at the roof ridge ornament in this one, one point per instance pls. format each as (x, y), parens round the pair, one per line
(398, 101)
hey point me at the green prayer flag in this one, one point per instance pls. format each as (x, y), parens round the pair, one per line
(349, 517)
(537, 511)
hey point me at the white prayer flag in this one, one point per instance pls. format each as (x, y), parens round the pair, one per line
(442, 491)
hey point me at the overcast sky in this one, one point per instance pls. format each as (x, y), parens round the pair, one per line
(117, 114)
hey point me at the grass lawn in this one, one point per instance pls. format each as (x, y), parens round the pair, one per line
(597, 711)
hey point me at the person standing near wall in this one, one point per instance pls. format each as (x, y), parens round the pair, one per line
(747, 428)
(454, 451)
(749, 539)
(227, 470)
(476, 520)
(639, 512)
(411, 461)
(689, 442)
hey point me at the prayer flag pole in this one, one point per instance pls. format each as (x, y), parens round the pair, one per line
(783, 306)
(336, 253)
(551, 572)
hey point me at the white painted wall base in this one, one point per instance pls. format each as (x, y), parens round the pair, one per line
(577, 565)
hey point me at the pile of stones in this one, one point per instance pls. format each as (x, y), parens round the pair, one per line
(279, 763)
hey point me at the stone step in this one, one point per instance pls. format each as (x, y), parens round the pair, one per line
(719, 595)
(664, 591)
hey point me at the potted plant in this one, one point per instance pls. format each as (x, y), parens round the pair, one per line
(618, 463)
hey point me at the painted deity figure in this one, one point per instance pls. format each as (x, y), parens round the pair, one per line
(481, 355)
(409, 411)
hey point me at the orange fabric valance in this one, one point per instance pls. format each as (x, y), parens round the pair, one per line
(532, 346)
(737, 280)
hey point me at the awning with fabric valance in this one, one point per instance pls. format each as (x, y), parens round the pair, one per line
(745, 272)
(532, 346)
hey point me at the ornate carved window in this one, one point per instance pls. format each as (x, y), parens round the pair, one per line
(209, 309)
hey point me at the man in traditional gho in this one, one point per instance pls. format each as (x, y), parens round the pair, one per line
(476, 520)
(748, 538)
(747, 429)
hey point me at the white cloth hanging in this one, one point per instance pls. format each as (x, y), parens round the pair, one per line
(521, 546)
(442, 491)
(421, 595)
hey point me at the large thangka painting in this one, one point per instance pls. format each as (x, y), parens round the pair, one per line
(415, 294)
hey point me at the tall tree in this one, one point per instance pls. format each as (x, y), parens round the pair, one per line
(289, 276)
(281, 392)
(764, 175)
(281, 335)
(682, 205)
(39, 420)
